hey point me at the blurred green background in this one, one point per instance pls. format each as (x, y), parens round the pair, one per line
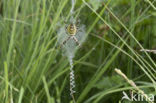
(33, 70)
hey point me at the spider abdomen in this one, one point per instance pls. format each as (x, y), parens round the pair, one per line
(72, 29)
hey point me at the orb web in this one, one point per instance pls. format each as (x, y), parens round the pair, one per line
(70, 47)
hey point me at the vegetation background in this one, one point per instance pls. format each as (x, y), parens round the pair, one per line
(33, 70)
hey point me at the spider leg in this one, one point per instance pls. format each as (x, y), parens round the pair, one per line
(77, 22)
(77, 42)
(65, 41)
(79, 29)
(66, 29)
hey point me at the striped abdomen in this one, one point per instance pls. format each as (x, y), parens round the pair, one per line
(72, 29)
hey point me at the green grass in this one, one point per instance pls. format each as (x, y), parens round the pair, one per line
(33, 69)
